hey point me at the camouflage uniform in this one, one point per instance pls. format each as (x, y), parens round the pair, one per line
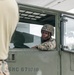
(4, 68)
(49, 44)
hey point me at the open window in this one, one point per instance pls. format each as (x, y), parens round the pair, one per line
(26, 35)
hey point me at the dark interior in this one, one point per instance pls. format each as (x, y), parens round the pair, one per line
(35, 15)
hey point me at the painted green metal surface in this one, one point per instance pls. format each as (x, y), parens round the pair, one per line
(33, 62)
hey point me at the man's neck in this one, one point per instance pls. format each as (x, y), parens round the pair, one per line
(42, 41)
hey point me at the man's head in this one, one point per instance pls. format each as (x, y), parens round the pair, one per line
(47, 31)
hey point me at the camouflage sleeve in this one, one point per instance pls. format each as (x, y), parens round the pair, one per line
(50, 45)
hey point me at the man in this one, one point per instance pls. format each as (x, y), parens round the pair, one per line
(8, 21)
(19, 42)
(48, 43)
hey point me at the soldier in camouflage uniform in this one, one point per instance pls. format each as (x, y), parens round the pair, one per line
(48, 43)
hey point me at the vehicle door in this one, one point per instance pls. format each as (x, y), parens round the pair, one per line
(67, 44)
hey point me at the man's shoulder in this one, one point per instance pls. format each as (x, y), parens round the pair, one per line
(52, 39)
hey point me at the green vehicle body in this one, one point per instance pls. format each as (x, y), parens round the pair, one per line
(29, 61)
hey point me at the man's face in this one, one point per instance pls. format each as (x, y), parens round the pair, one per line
(45, 35)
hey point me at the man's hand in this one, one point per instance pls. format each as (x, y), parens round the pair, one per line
(34, 47)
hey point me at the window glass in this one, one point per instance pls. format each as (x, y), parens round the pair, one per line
(68, 33)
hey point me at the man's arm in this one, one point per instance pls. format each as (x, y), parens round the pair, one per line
(50, 45)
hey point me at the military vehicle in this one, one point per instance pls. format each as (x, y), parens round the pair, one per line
(29, 61)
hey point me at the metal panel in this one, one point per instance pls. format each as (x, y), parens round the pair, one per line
(33, 62)
(67, 63)
(36, 2)
(72, 61)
